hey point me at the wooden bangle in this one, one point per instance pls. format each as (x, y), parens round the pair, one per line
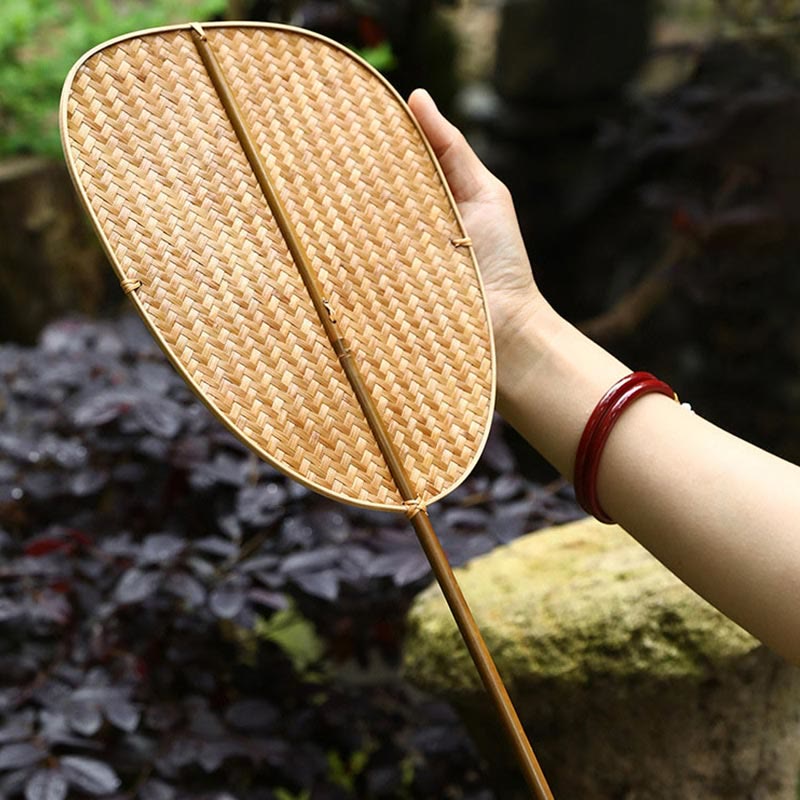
(597, 430)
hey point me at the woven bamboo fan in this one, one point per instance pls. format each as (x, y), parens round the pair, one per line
(280, 223)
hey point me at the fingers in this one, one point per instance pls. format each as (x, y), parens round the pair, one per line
(464, 172)
(441, 134)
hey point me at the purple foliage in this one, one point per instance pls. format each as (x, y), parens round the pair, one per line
(141, 543)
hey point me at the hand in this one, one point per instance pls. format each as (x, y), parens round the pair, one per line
(488, 212)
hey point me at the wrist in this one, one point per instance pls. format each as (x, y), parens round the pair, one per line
(521, 329)
(549, 378)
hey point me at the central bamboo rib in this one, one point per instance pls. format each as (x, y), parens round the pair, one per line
(303, 264)
(419, 517)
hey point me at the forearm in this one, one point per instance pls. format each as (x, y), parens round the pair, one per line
(720, 513)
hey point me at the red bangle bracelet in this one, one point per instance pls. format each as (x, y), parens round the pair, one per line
(597, 430)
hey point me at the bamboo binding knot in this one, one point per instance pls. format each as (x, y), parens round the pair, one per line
(414, 507)
(463, 241)
(198, 29)
(130, 285)
(327, 306)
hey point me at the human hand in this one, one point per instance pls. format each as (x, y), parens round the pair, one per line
(488, 212)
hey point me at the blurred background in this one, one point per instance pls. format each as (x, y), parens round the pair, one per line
(177, 620)
(649, 147)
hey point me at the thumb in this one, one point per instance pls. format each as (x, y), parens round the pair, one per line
(464, 171)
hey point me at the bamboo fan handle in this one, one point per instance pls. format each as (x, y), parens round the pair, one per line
(481, 657)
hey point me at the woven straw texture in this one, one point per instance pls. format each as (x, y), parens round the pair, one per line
(175, 200)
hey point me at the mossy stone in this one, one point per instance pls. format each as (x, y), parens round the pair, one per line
(613, 664)
(575, 602)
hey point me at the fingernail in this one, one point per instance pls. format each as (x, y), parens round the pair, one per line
(433, 102)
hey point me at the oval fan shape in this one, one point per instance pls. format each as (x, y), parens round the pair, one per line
(191, 236)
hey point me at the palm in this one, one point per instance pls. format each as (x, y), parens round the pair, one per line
(488, 213)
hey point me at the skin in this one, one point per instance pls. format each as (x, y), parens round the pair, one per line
(720, 513)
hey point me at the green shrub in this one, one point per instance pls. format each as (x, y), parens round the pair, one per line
(41, 39)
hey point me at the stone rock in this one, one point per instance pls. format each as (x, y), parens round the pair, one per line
(51, 262)
(629, 684)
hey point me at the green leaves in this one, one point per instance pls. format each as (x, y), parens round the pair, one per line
(41, 39)
(295, 635)
(381, 56)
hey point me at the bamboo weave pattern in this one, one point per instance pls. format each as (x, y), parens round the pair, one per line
(170, 188)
